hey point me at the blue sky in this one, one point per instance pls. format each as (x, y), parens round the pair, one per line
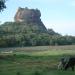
(56, 14)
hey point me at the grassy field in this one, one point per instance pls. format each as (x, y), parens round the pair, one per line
(41, 60)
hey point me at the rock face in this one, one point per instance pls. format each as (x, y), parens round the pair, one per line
(25, 14)
(30, 16)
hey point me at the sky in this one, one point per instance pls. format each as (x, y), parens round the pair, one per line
(58, 15)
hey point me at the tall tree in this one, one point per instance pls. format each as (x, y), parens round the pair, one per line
(2, 5)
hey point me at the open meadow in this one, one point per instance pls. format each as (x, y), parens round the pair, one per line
(39, 60)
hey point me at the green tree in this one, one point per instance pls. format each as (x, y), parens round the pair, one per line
(2, 4)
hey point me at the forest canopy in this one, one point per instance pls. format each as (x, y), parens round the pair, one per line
(14, 34)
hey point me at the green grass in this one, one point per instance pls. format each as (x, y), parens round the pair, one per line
(40, 60)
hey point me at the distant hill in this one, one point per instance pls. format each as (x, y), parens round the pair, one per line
(28, 30)
(26, 21)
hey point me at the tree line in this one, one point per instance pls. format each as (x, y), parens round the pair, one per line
(34, 39)
(14, 34)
